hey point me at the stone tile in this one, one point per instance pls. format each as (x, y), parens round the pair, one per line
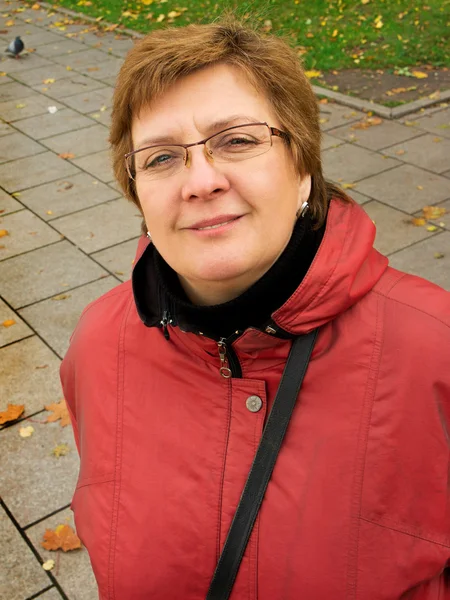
(15, 332)
(37, 38)
(27, 172)
(427, 151)
(38, 76)
(109, 67)
(406, 187)
(420, 260)
(75, 573)
(68, 87)
(328, 141)
(394, 228)
(27, 62)
(18, 145)
(55, 319)
(98, 165)
(90, 101)
(357, 197)
(59, 47)
(14, 91)
(334, 115)
(29, 106)
(25, 232)
(8, 204)
(103, 117)
(48, 125)
(118, 259)
(443, 221)
(5, 129)
(437, 123)
(29, 373)
(79, 142)
(101, 226)
(35, 481)
(375, 137)
(45, 272)
(85, 57)
(16, 557)
(446, 174)
(66, 195)
(52, 594)
(349, 163)
(120, 47)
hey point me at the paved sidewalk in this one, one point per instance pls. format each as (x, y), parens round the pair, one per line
(72, 237)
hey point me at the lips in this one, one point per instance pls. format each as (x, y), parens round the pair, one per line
(214, 223)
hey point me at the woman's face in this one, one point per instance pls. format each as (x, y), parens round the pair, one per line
(257, 198)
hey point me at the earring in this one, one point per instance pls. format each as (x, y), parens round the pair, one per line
(302, 210)
(148, 235)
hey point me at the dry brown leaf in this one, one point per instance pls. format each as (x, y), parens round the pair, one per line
(60, 411)
(370, 122)
(3, 233)
(61, 297)
(433, 212)
(12, 413)
(91, 69)
(8, 323)
(400, 152)
(60, 450)
(63, 537)
(418, 221)
(438, 255)
(419, 75)
(36, 6)
(66, 155)
(66, 185)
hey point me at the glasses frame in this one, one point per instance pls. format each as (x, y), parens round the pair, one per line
(273, 132)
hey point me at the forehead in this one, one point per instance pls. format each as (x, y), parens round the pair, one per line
(200, 104)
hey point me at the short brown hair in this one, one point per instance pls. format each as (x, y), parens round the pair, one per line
(164, 56)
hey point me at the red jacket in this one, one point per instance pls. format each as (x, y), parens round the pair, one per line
(358, 504)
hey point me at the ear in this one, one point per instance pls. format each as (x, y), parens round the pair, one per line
(304, 190)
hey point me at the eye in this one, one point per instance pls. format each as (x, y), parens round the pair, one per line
(159, 160)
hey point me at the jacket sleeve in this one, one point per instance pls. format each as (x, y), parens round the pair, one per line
(67, 376)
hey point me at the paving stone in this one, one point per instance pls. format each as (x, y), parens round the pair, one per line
(85, 57)
(49, 125)
(29, 373)
(437, 123)
(29, 106)
(447, 173)
(8, 204)
(110, 81)
(101, 226)
(75, 573)
(443, 221)
(26, 62)
(25, 232)
(79, 142)
(103, 117)
(118, 259)
(55, 319)
(68, 87)
(349, 163)
(27, 172)
(45, 272)
(90, 101)
(394, 228)
(15, 332)
(38, 76)
(66, 195)
(59, 47)
(359, 198)
(35, 481)
(52, 594)
(107, 68)
(28, 577)
(119, 47)
(5, 129)
(37, 38)
(18, 145)
(14, 91)
(98, 165)
(420, 260)
(427, 151)
(406, 187)
(376, 136)
(333, 115)
(328, 141)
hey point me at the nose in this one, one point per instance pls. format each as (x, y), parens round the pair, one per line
(202, 179)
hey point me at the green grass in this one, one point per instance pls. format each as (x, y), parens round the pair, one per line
(328, 34)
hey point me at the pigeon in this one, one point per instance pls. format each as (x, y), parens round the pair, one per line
(15, 47)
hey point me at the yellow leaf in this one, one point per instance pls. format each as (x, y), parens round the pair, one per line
(9, 23)
(3, 233)
(437, 140)
(147, 2)
(173, 14)
(379, 24)
(49, 212)
(60, 450)
(312, 74)
(68, 68)
(420, 187)
(8, 323)
(438, 255)
(419, 75)
(47, 81)
(12, 413)
(20, 105)
(2, 74)
(432, 228)
(161, 18)
(418, 221)
(26, 431)
(49, 564)
(36, 6)
(433, 212)
(61, 297)
(348, 186)
(365, 1)
(335, 32)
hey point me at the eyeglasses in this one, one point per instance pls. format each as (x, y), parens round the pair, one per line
(233, 144)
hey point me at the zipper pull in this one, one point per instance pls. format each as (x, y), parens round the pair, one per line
(225, 370)
(166, 320)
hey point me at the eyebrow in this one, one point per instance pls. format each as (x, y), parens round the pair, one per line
(210, 129)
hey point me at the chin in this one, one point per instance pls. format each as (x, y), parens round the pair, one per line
(220, 270)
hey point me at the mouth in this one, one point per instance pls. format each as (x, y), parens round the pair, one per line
(215, 223)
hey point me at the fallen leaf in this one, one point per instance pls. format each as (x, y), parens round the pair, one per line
(313, 74)
(432, 228)
(8, 323)
(61, 297)
(69, 68)
(438, 255)
(146, 2)
(63, 537)
(334, 34)
(12, 413)
(92, 69)
(420, 187)
(433, 212)
(36, 6)
(436, 140)
(348, 186)
(419, 75)
(20, 105)
(26, 431)
(161, 18)
(66, 155)
(60, 450)
(47, 81)
(9, 23)
(400, 152)
(418, 221)
(2, 74)
(370, 122)
(49, 212)
(48, 565)
(3, 233)
(52, 109)
(103, 108)
(365, 1)
(41, 367)
(60, 411)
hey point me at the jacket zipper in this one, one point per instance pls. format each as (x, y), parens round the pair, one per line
(229, 362)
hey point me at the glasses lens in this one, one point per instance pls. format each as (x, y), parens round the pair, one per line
(156, 162)
(240, 143)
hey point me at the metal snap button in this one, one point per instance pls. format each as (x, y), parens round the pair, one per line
(253, 403)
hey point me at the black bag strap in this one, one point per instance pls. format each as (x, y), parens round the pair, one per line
(262, 467)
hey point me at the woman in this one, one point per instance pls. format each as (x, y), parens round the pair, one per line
(170, 379)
